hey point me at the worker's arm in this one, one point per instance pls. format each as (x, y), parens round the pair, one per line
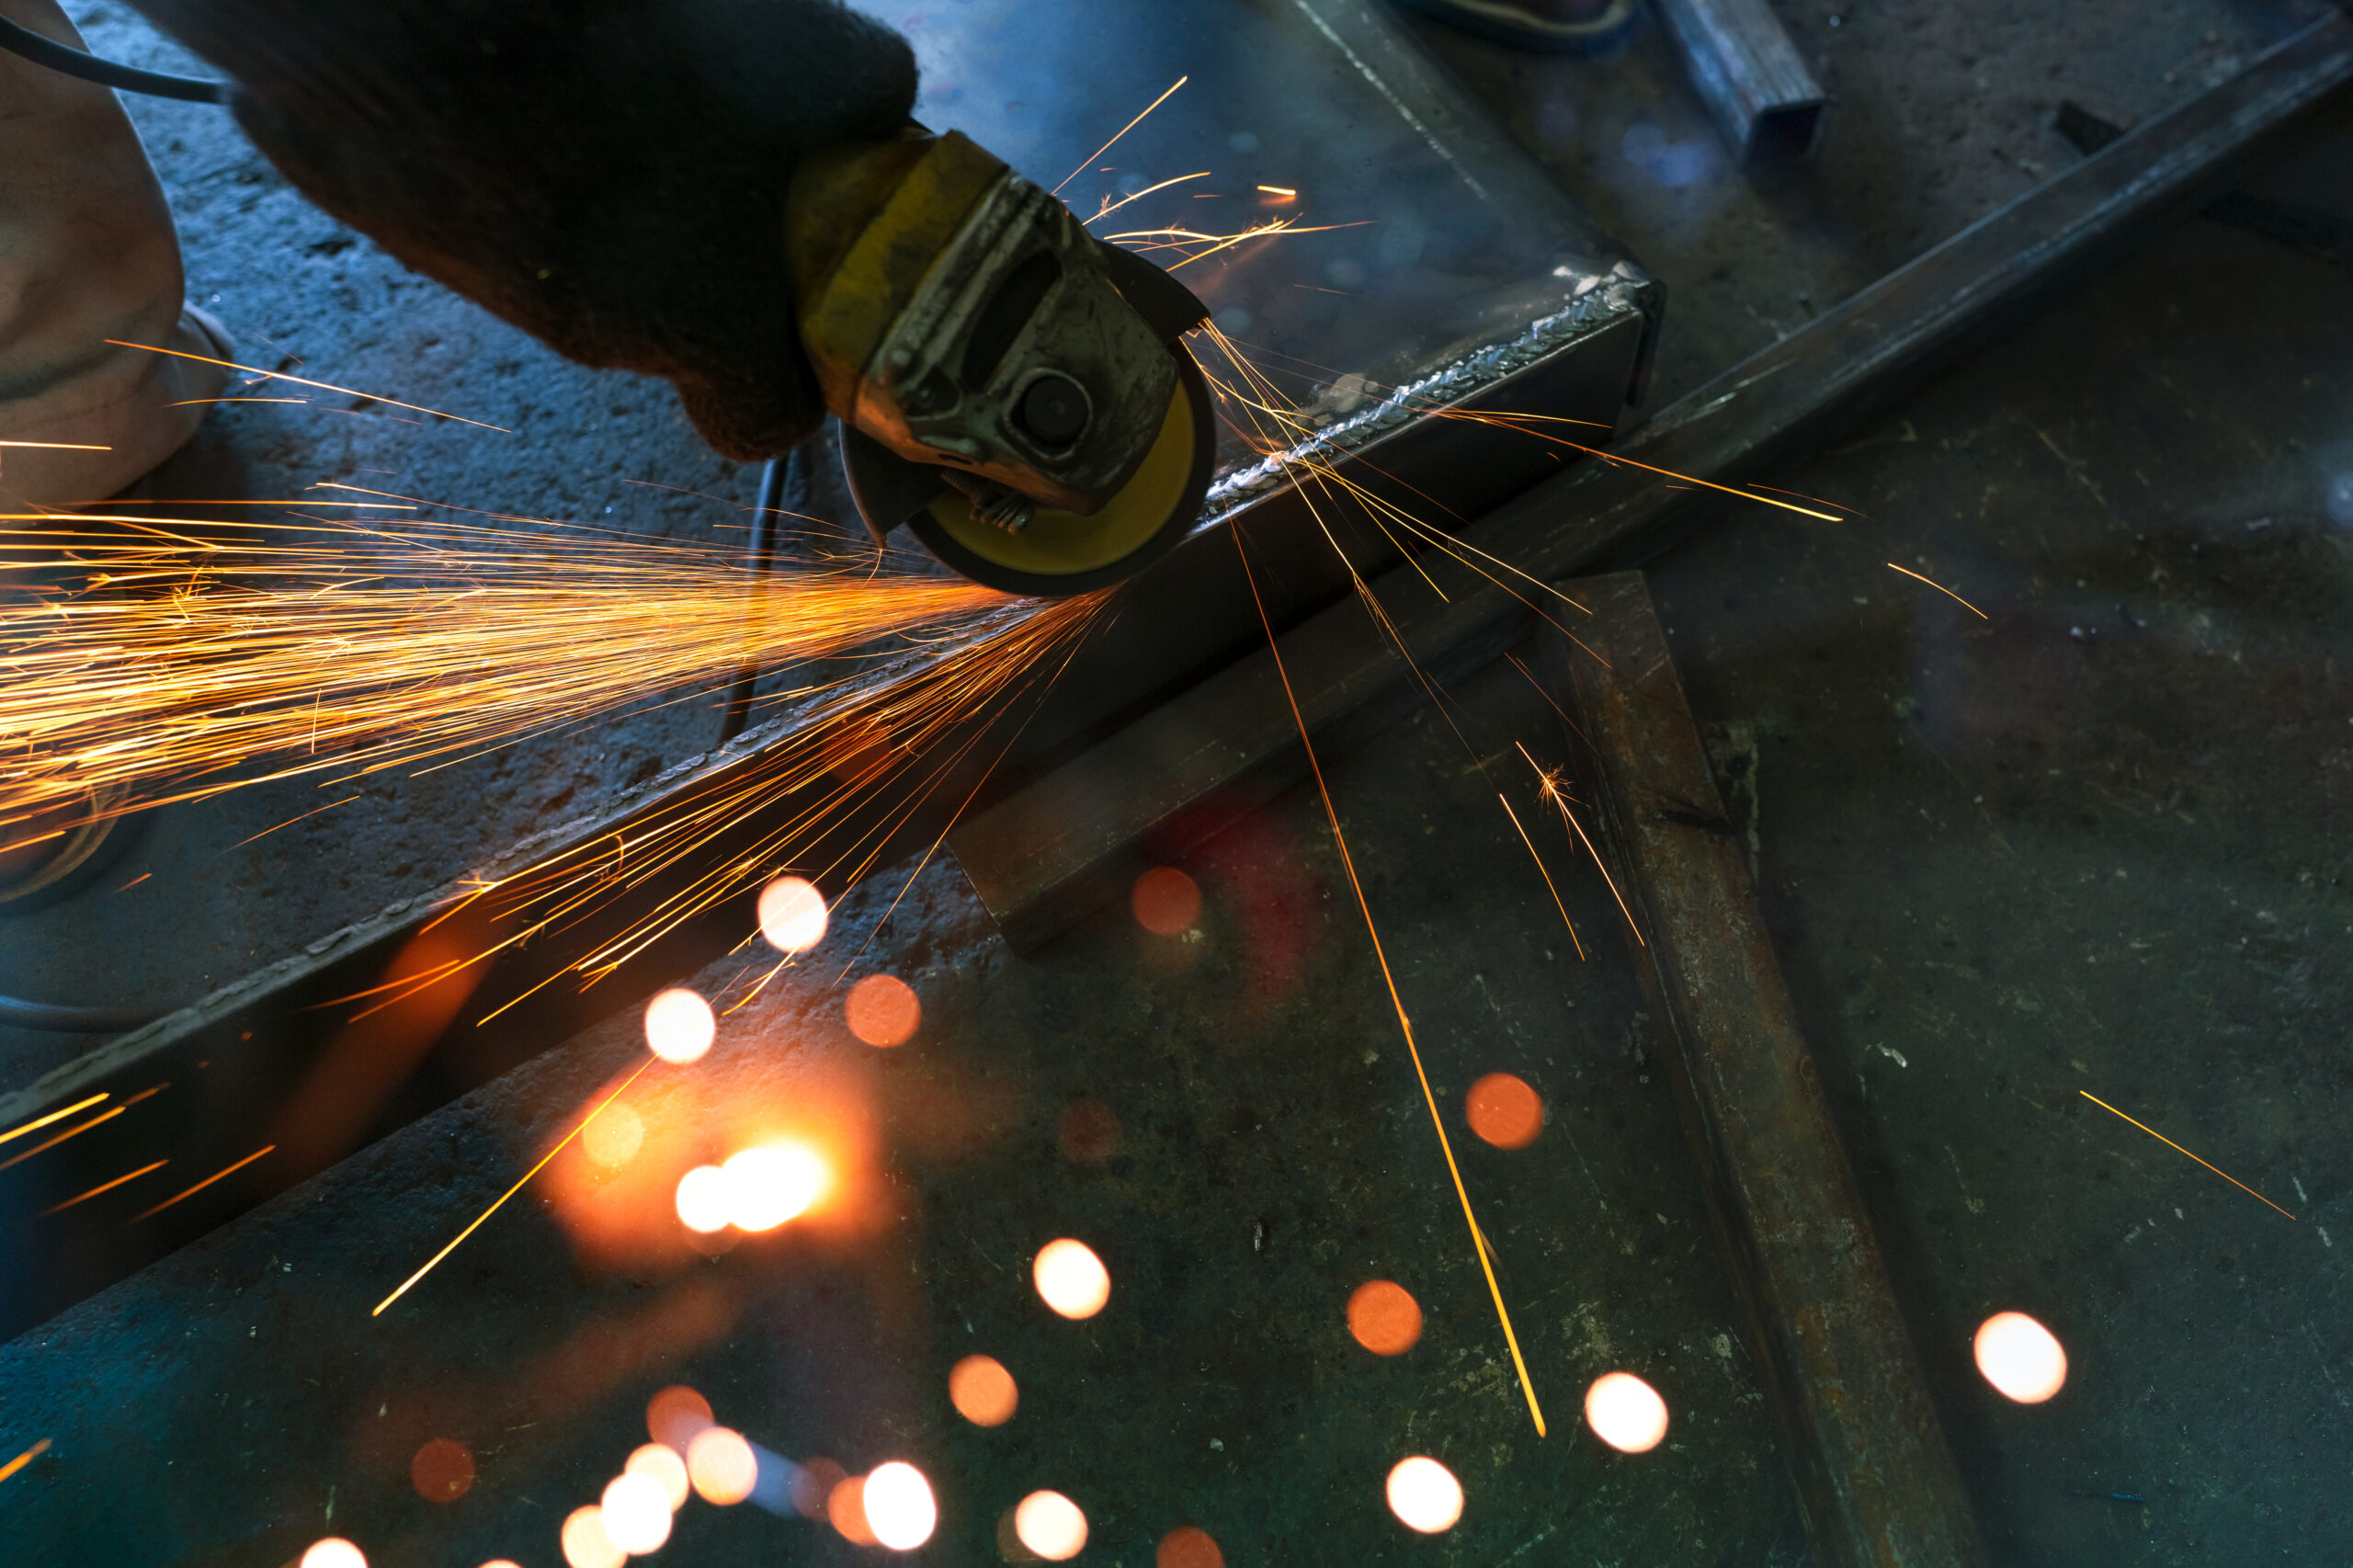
(607, 175)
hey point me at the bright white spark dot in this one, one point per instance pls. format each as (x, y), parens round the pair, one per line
(585, 1544)
(333, 1552)
(792, 915)
(1625, 1413)
(1070, 1279)
(899, 1506)
(723, 1466)
(767, 1187)
(637, 1513)
(703, 1194)
(1050, 1525)
(1424, 1495)
(678, 1026)
(661, 1462)
(2020, 1358)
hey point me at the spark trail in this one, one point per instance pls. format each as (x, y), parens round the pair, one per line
(164, 659)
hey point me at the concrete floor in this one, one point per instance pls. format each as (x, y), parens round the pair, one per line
(2094, 842)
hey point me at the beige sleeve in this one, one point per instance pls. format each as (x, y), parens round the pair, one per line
(87, 252)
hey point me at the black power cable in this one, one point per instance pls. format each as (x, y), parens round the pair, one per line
(43, 50)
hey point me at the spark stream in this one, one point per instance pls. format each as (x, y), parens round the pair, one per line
(146, 660)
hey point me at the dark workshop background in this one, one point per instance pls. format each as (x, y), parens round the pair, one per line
(2095, 840)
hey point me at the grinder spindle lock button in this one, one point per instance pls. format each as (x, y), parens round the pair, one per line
(1053, 410)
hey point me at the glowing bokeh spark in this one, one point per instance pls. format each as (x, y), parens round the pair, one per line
(1384, 1318)
(703, 1201)
(614, 1138)
(983, 1391)
(882, 1010)
(1187, 1546)
(766, 1187)
(442, 1471)
(1071, 1280)
(1424, 1495)
(1049, 1525)
(635, 1510)
(333, 1552)
(2021, 1358)
(661, 1463)
(1504, 1111)
(680, 1026)
(585, 1542)
(674, 1416)
(792, 915)
(845, 1511)
(1165, 901)
(900, 1509)
(1625, 1413)
(722, 1465)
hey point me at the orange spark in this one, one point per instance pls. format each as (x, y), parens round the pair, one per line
(1404, 1022)
(300, 381)
(1124, 131)
(74, 1132)
(104, 1187)
(40, 1121)
(1546, 874)
(1942, 589)
(1522, 421)
(56, 446)
(1548, 786)
(199, 1186)
(510, 1192)
(2179, 1149)
(14, 1465)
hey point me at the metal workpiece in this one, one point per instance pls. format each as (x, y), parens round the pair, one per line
(1047, 841)
(1875, 1478)
(1415, 232)
(1756, 85)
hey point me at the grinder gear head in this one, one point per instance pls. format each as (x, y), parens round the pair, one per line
(1008, 380)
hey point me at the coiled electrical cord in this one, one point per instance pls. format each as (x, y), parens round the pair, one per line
(41, 50)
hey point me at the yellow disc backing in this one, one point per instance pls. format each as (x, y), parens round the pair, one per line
(1065, 553)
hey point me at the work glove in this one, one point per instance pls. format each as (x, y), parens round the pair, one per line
(607, 175)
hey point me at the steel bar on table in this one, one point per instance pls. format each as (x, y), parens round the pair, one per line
(1755, 84)
(1874, 1476)
(1041, 856)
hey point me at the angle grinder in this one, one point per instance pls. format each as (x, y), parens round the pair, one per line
(1011, 389)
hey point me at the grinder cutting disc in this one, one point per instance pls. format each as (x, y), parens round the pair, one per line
(1058, 553)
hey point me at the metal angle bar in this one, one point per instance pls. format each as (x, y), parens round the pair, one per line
(1875, 1478)
(1765, 100)
(1041, 854)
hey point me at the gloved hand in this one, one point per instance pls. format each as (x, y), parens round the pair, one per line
(607, 175)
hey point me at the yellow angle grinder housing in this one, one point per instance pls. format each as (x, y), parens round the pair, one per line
(1011, 388)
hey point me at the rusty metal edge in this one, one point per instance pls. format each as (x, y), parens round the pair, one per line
(1039, 855)
(1875, 1477)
